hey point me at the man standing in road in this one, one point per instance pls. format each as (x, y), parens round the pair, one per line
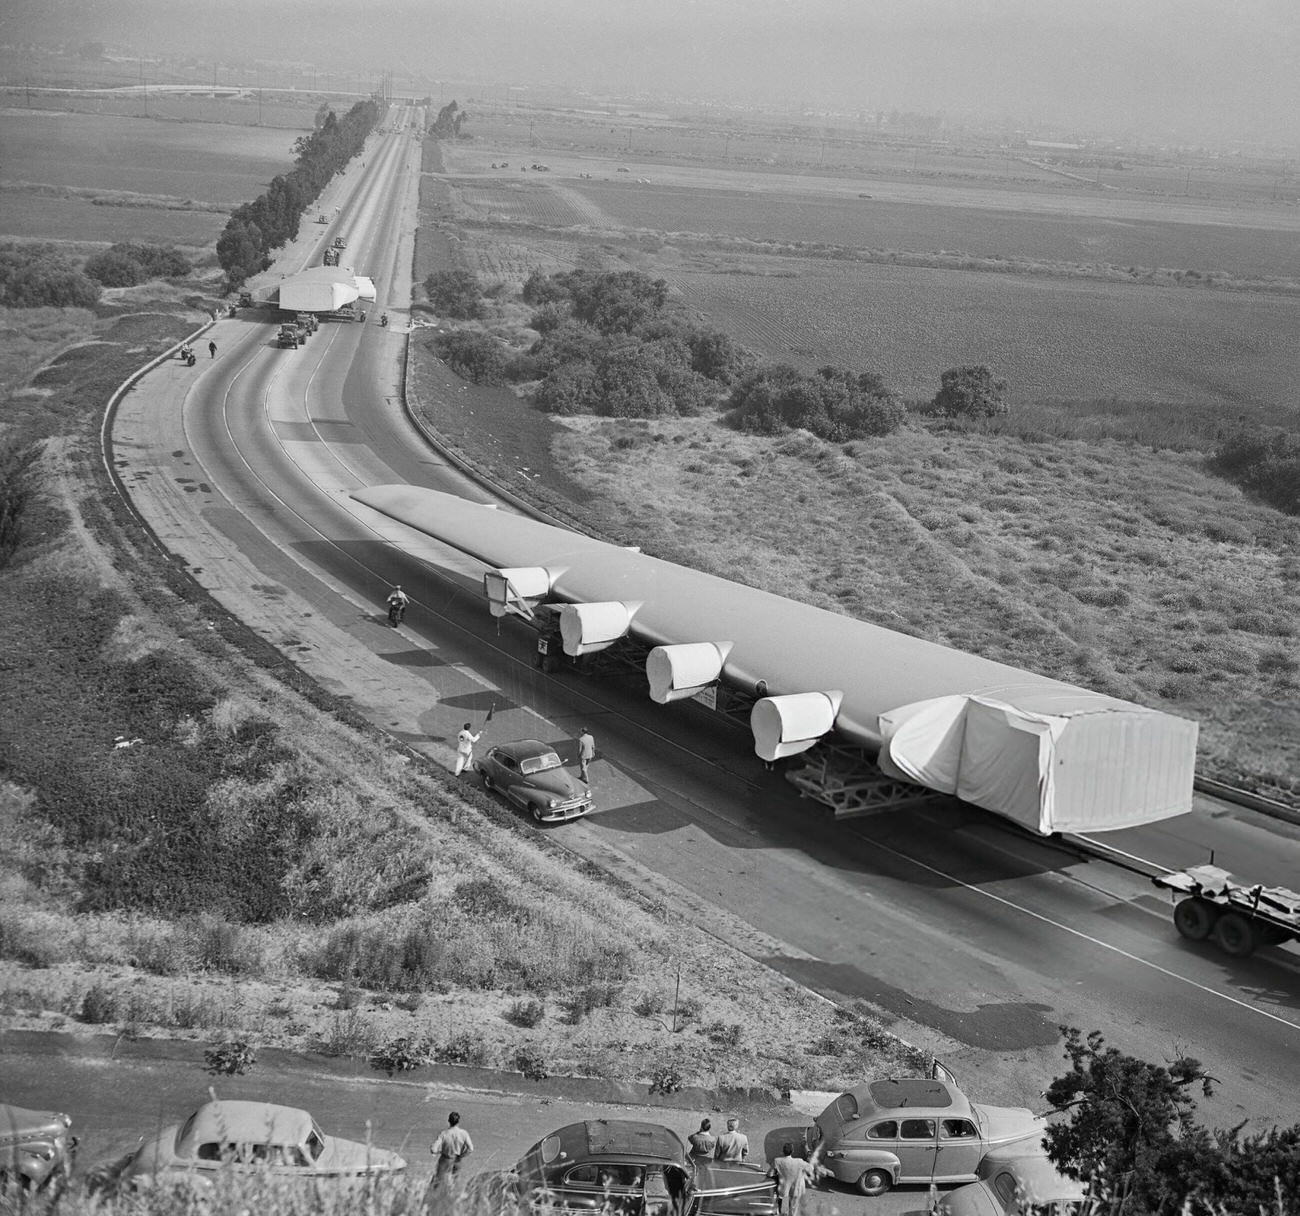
(450, 1148)
(586, 751)
(704, 1141)
(733, 1145)
(212, 349)
(465, 748)
(792, 1176)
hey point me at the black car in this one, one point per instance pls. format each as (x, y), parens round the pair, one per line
(625, 1168)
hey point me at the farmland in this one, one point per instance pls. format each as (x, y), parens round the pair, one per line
(108, 177)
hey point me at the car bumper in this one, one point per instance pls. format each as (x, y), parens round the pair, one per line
(562, 814)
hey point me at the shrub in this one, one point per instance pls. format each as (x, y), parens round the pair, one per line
(38, 276)
(114, 269)
(1265, 463)
(648, 1004)
(401, 1054)
(665, 1079)
(970, 392)
(231, 1059)
(473, 356)
(456, 293)
(525, 1013)
(98, 1006)
(350, 1035)
(529, 1061)
(462, 1048)
(834, 404)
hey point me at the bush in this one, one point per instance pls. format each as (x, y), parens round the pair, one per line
(970, 392)
(529, 1061)
(231, 1059)
(401, 1054)
(17, 482)
(474, 356)
(1265, 463)
(525, 1013)
(666, 1079)
(99, 1005)
(126, 264)
(462, 1048)
(39, 276)
(456, 293)
(834, 404)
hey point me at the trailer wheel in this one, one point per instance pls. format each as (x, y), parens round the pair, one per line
(1194, 918)
(1235, 934)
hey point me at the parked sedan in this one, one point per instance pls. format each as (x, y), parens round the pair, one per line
(36, 1149)
(531, 774)
(916, 1130)
(617, 1167)
(252, 1136)
(1016, 1186)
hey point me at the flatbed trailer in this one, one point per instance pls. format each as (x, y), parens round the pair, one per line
(1237, 918)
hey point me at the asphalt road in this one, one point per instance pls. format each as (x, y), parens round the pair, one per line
(978, 940)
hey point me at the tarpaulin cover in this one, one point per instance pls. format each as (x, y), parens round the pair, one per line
(1090, 763)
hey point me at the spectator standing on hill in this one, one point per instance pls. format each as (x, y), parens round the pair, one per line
(450, 1148)
(586, 753)
(792, 1176)
(465, 748)
(704, 1141)
(212, 349)
(733, 1144)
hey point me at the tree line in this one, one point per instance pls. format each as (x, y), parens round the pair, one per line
(613, 344)
(272, 219)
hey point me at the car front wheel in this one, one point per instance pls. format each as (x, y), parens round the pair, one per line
(875, 1182)
(537, 811)
(488, 783)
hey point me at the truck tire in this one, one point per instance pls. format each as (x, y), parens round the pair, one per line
(1234, 934)
(875, 1182)
(1194, 918)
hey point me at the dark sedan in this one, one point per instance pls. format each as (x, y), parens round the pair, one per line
(531, 774)
(623, 1168)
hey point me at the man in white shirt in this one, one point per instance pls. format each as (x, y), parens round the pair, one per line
(465, 748)
(450, 1148)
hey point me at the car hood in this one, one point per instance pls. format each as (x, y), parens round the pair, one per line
(1009, 1124)
(18, 1121)
(553, 781)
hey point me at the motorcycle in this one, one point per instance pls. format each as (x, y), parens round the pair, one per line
(396, 612)
(383, 321)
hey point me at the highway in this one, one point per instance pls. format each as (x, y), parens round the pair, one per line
(978, 941)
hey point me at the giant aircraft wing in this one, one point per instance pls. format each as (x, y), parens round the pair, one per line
(1049, 755)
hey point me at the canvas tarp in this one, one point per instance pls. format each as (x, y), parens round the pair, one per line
(1087, 763)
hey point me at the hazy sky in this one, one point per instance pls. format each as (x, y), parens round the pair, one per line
(1226, 68)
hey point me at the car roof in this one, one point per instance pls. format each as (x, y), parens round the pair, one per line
(621, 1138)
(231, 1121)
(521, 749)
(922, 1095)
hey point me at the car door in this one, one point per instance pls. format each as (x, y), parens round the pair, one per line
(917, 1146)
(595, 1186)
(960, 1151)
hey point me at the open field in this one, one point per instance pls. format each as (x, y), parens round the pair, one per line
(1048, 338)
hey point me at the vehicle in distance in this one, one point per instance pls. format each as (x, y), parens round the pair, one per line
(247, 1137)
(531, 774)
(37, 1149)
(288, 336)
(624, 1168)
(916, 1130)
(1012, 1185)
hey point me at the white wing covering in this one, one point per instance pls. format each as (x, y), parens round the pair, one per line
(324, 289)
(1080, 763)
(1049, 755)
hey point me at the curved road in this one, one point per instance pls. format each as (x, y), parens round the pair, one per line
(978, 940)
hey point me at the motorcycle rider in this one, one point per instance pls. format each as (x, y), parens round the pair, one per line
(397, 603)
(383, 318)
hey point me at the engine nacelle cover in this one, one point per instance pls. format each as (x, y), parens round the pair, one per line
(515, 589)
(586, 628)
(785, 726)
(680, 671)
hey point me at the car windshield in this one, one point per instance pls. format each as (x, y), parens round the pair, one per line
(539, 764)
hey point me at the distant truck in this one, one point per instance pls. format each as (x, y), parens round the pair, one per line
(288, 337)
(340, 243)
(331, 257)
(1235, 917)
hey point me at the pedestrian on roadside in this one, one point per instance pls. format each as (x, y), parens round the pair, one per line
(212, 349)
(450, 1148)
(465, 748)
(704, 1141)
(792, 1174)
(586, 751)
(733, 1144)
